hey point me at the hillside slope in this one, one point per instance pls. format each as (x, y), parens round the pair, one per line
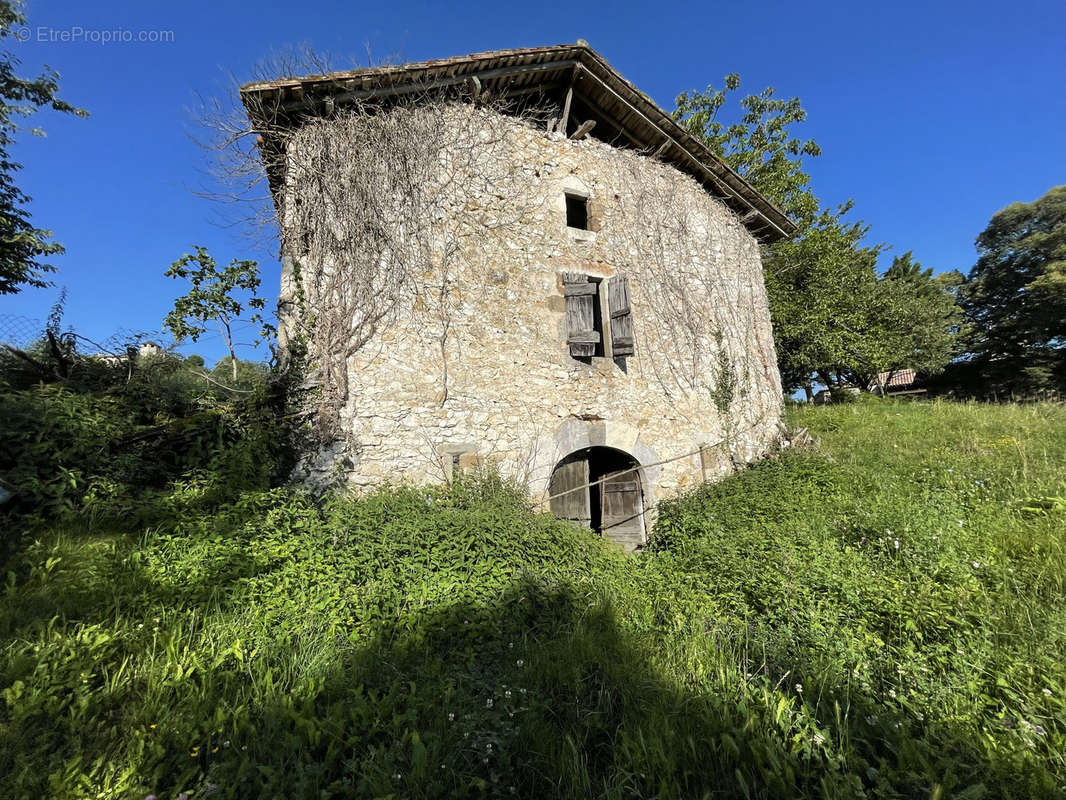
(881, 616)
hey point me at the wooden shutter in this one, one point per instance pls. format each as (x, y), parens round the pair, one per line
(621, 316)
(570, 482)
(622, 509)
(581, 332)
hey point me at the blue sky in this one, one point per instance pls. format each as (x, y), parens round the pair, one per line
(932, 116)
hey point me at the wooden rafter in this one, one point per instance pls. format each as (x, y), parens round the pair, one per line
(606, 98)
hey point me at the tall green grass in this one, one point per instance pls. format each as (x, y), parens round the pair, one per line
(881, 616)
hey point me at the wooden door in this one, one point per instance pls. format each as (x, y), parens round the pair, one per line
(570, 482)
(622, 509)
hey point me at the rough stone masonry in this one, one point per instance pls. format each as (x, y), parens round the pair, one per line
(474, 363)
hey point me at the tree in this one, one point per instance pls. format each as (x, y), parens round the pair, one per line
(821, 289)
(1015, 297)
(833, 318)
(212, 298)
(759, 146)
(916, 318)
(21, 244)
(249, 374)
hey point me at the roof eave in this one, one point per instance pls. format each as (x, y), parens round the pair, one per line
(656, 127)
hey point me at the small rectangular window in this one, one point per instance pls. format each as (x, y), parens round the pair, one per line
(577, 212)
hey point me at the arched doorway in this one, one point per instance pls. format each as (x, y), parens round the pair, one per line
(600, 488)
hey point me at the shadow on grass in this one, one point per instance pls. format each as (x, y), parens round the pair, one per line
(535, 691)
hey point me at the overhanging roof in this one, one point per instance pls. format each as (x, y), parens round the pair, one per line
(623, 114)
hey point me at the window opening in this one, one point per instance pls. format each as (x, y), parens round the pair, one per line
(577, 212)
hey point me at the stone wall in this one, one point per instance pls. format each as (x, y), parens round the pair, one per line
(474, 366)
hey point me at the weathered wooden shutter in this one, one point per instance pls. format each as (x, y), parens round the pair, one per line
(581, 332)
(621, 316)
(622, 509)
(569, 491)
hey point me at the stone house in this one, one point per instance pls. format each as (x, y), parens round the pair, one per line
(578, 302)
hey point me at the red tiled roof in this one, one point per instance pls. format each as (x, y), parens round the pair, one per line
(895, 379)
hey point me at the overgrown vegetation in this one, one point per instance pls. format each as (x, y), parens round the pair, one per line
(81, 431)
(879, 617)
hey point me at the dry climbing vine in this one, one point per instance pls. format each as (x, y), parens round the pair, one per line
(698, 289)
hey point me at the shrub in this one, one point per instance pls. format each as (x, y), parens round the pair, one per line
(880, 618)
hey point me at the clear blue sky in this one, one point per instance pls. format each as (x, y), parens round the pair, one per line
(932, 116)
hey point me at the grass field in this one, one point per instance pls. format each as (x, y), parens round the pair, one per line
(881, 616)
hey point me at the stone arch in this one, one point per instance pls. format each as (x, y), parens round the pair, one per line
(578, 433)
(595, 436)
(600, 488)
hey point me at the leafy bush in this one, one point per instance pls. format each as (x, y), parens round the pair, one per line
(96, 438)
(878, 618)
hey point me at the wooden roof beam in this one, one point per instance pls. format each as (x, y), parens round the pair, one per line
(684, 150)
(417, 85)
(583, 129)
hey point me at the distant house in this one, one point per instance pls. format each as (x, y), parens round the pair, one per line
(896, 382)
(133, 352)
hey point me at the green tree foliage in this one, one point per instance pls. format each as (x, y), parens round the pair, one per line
(820, 287)
(216, 296)
(844, 323)
(21, 244)
(1015, 298)
(833, 317)
(760, 145)
(918, 318)
(242, 375)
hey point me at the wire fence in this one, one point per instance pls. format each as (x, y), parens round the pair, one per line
(703, 451)
(18, 331)
(21, 332)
